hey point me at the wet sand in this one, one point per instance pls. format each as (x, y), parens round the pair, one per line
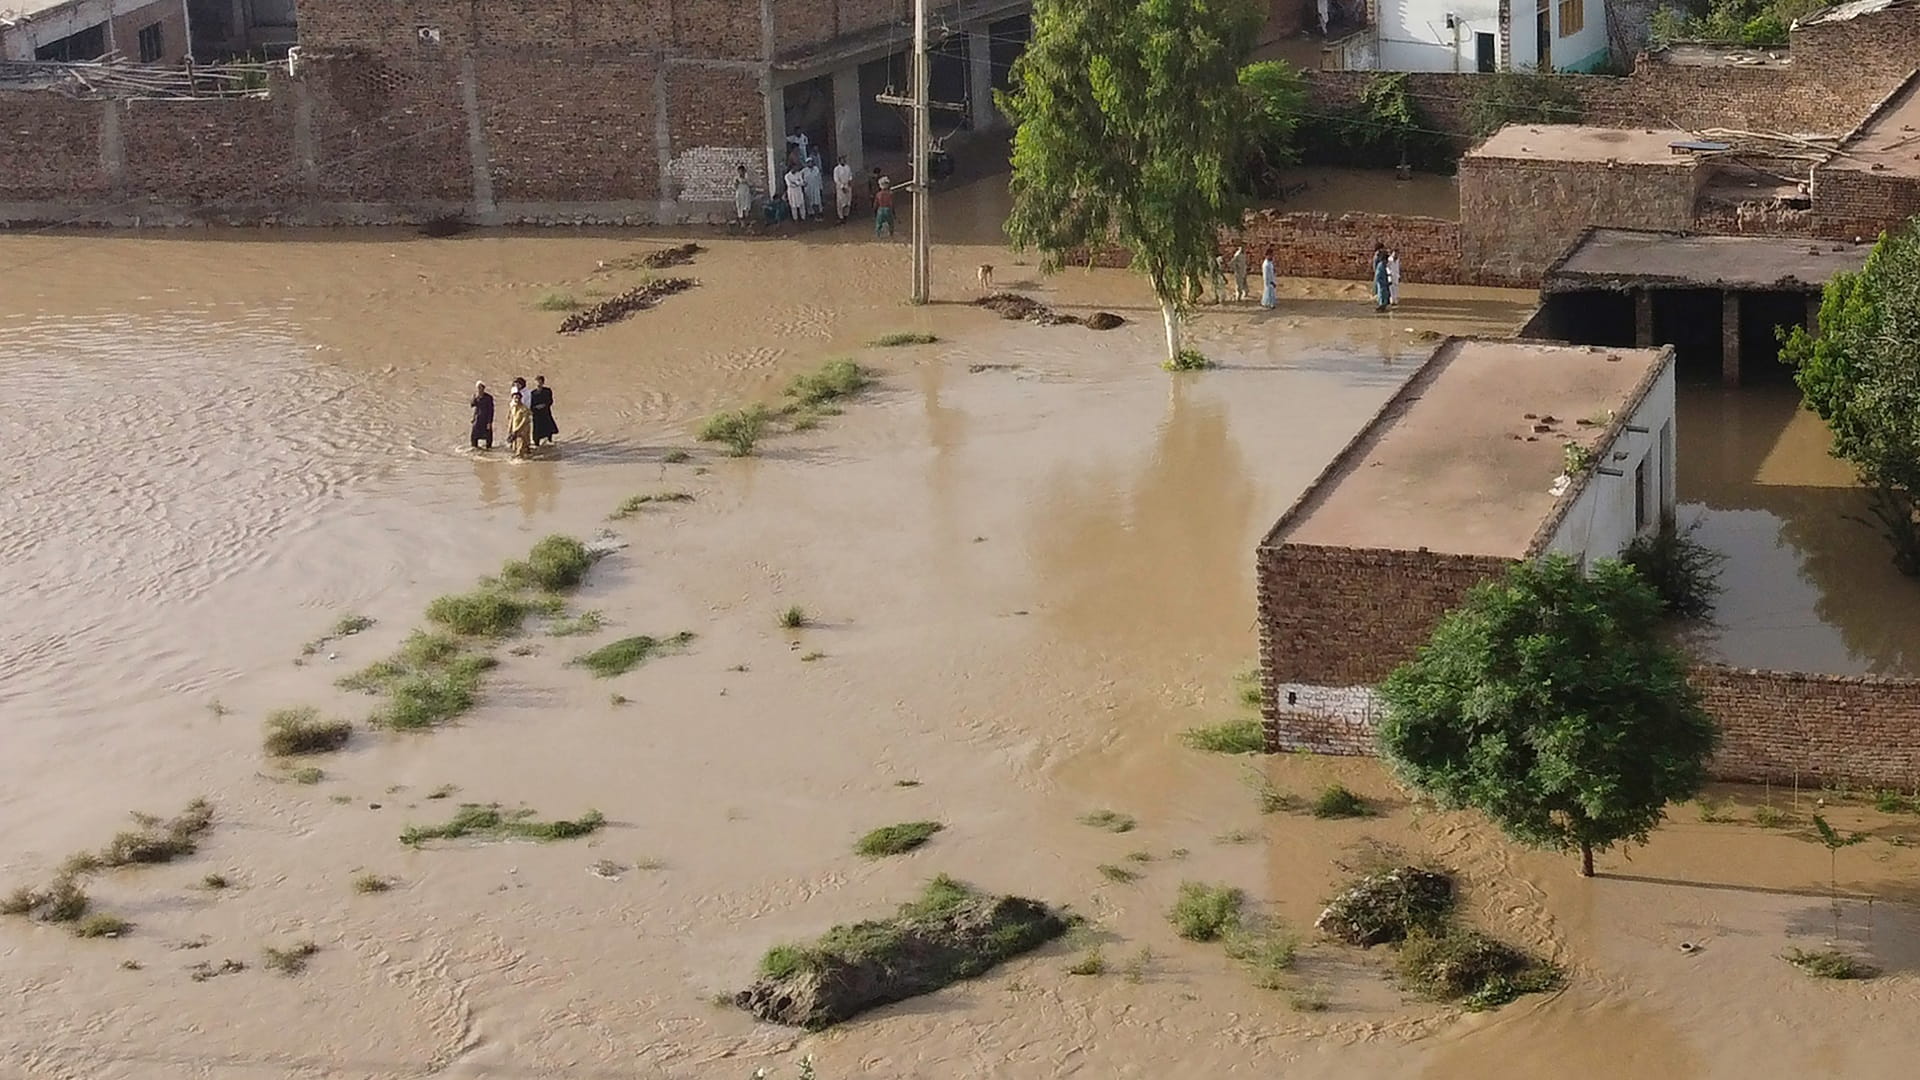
(1027, 579)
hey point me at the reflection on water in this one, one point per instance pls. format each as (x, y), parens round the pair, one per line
(1807, 585)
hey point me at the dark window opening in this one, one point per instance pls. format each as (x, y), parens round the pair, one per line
(1640, 494)
(152, 45)
(1595, 317)
(1689, 320)
(1760, 314)
(88, 44)
(1483, 47)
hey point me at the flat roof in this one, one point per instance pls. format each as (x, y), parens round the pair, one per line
(1578, 142)
(1624, 258)
(1454, 464)
(1888, 142)
(1712, 54)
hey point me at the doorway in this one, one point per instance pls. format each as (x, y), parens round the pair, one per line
(1483, 58)
(1543, 37)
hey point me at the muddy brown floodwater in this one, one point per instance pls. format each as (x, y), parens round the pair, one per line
(1028, 554)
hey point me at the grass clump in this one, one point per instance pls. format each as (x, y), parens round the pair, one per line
(836, 379)
(483, 612)
(558, 301)
(1187, 360)
(367, 884)
(1714, 810)
(950, 932)
(896, 839)
(100, 924)
(634, 503)
(904, 337)
(307, 774)
(1265, 949)
(1336, 801)
(64, 901)
(794, 618)
(739, 429)
(299, 731)
(157, 841)
(1110, 820)
(1246, 687)
(676, 457)
(1471, 968)
(427, 699)
(1889, 801)
(1091, 962)
(349, 625)
(1204, 912)
(291, 960)
(620, 657)
(1233, 737)
(1273, 800)
(474, 819)
(587, 622)
(215, 882)
(554, 564)
(1119, 874)
(1830, 964)
(1771, 817)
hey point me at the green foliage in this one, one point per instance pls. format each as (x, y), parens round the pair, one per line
(1577, 458)
(484, 612)
(100, 924)
(1188, 360)
(1276, 96)
(555, 564)
(620, 657)
(1233, 737)
(1265, 949)
(1522, 97)
(1830, 964)
(1549, 702)
(1091, 962)
(291, 960)
(836, 379)
(1460, 965)
(431, 696)
(301, 731)
(366, 884)
(1335, 801)
(1381, 130)
(1132, 128)
(62, 901)
(474, 819)
(587, 622)
(1861, 373)
(794, 618)
(558, 301)
(903, 337)
(1204, 912)
(1682, 571)
(896, 839)
(740, 429)
(156, 841)
(1754, 23)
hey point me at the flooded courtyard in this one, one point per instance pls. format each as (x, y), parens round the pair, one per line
(1027, 558)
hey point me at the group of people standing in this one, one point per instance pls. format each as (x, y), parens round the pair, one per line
(1386, 277)
(800, 193)
(529, 416)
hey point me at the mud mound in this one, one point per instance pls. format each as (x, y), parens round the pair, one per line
(1014, 306)
(951, 933)
(612, 311)
(673, 256)
(1386, 907)
(1104, 320)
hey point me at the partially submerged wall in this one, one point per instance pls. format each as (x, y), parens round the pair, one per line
(1524, 214)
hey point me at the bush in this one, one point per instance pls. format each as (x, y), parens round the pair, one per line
(101, 925)
(904, 337)
(301, 731)
(620, 657)
(484, 612)
(1516, 97)
(896, 839)
(836, 379)
(1267, 950)
(1188, 360)
(1379, 131)
(1233, 737)
(425, 699)
(1206, 912)
(1764, 29)
(490, 820)
(1830, 964)
(159, 841)
(1460, 965)
(556, 564)
(1110, 820)
(291, 960)
(1338, 802)
(1681, 570)
(740, 429)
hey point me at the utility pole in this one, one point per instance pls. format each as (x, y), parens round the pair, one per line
(922, 183)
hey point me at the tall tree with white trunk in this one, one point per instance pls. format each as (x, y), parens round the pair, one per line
(1133, 130)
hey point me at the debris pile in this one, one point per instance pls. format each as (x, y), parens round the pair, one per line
(619, 307)
(1384, 908)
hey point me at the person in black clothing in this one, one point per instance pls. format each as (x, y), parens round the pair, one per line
(542, 403)
(482, 434)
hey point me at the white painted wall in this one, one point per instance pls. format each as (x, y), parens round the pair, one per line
(1414, 36)
(1578, 52)
(1602, 520)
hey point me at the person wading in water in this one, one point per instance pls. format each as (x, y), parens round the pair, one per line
(519, 420)
(541, 397)
(482, 433)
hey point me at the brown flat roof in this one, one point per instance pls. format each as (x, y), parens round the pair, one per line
(1577, 142)
(1710, 54)
(1453, 463)
(1627, 258)
(1888, 142)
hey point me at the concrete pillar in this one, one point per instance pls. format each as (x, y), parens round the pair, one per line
(1643, 318)
(849, 136)
(303, 142)
(775, 96)
(1730, 338)
(239, 34)
(980, 78)
(479, 165)
(113, 149)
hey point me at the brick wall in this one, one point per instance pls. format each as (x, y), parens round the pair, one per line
(560, 128)
(125, 31)
(1851, 202)
(388, 129)
(1524, 214)
(714, 127)
(1323, 245)
(221, 152)
(50, 149)
(1780, 725)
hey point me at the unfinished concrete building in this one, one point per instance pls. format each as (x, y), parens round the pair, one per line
(1718, 300)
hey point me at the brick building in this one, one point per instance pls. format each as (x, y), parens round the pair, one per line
(150, 31)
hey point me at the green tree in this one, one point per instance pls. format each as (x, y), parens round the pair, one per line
(1861, 372)
(1550, 702)
(1276, 95)
(1132, 127)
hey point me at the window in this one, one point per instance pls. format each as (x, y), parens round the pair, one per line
(151, 44)
(1641, 492)
(1573, 17)
(1483, 52)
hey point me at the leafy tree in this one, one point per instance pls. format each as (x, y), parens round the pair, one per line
(1276, 95)
(1523, 97)
(1861, 372)
(1132, 126)
(1549, 702)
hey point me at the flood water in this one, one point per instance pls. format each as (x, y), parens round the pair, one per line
(1807, 585)
(1329, 190)
(1028, 557)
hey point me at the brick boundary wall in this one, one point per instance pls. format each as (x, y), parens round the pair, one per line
(1779, 726)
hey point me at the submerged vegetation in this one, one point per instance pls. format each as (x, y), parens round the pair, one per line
(904, 337)
(473, 819)
(951, 932)
(301, 731)
(155, 841)
(1204, 912)
(1830, 964)
(620, 657)
(896, 839)
(1232, 737)
(1682, 571)
(291, 960)
(809, 396)
(1110, 820)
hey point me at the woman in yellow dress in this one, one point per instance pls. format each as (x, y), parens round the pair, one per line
(519, 420)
